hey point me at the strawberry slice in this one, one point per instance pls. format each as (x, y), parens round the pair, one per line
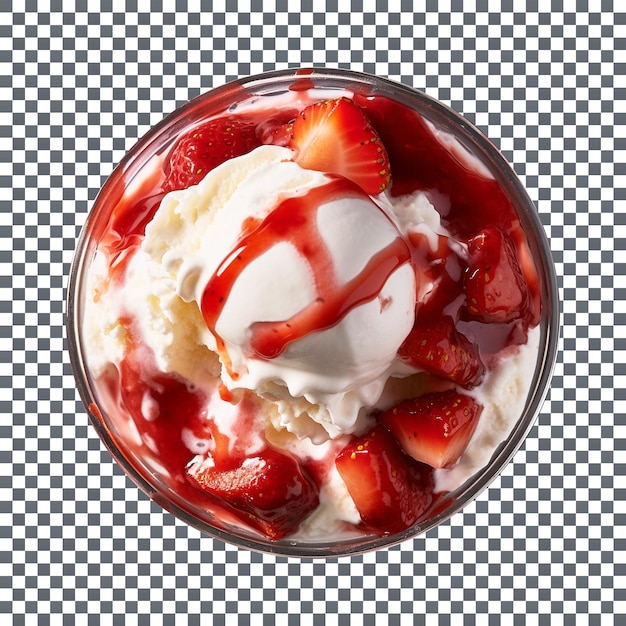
(205, 147)
(434, 428)
(336, 136)
(494, 281)
(437, 347)
(269, 489)
(391, 491)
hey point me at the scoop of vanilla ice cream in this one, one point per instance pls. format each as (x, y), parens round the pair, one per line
(321, 380)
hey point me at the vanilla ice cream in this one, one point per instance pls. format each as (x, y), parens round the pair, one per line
(339, 277)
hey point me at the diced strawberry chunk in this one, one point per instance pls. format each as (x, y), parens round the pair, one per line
(205, 147)
(336, 136)
(494, 281)
(391, 491)
(434, 428)
(437, 347)
(270, 490)
(530, 275)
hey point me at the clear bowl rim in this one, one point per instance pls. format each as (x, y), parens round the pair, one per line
(550, 320)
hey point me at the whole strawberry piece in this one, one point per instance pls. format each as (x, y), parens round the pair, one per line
(494, 281)
(205, 147)
(269, 489)
(390, 490)
(335, 136)
(434, 428)
(437, 347)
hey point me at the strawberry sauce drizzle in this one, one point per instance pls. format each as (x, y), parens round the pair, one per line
(294, 220)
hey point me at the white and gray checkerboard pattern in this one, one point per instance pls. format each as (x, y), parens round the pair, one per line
(81, 81)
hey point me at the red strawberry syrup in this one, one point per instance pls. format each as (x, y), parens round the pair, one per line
(294, 220)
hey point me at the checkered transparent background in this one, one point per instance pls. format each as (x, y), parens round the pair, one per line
(81, 81)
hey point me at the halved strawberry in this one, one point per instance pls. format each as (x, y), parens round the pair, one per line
(391, 491)
(494, 281)
(434, 428)
(205, 147)
(269, 489)
(336, 136)
(437, 347)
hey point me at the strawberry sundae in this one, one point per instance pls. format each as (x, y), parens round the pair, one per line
(308, 315)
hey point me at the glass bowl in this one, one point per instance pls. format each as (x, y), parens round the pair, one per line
(157, 141)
